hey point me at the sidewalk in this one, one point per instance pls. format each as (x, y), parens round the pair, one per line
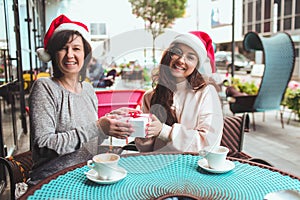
(279, 146)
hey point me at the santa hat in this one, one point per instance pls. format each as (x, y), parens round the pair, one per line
(61, 23)
(201, 43)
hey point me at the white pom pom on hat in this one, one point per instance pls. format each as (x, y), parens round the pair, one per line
(61, 23)
(43, 55)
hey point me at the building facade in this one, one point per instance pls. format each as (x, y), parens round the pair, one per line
(270, 16)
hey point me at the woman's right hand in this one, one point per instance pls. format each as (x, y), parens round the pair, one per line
(112, 126)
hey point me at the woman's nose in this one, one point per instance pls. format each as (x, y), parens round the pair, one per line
(182, 58)
(70, 53)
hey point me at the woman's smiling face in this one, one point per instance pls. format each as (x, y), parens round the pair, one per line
(184, 60)
(71, 57)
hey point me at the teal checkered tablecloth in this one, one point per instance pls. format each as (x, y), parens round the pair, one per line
(153, 176)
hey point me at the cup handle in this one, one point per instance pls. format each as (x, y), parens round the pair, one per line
(89, 164)
(203, 153)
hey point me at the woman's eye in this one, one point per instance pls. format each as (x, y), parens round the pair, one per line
(63, 48)
(176, 51)
(191, 58)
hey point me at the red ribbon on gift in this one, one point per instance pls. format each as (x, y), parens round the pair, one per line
(134, 114)
(137, 115)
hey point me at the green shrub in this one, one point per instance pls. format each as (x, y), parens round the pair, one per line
(244, 87)
(292, 100)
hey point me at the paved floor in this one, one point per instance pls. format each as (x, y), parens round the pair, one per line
(279, 146)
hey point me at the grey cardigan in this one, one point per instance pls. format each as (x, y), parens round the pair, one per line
(61, 121)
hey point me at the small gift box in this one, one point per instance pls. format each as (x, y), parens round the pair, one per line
(139, 122)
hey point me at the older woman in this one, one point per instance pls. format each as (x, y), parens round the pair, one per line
(63, 108)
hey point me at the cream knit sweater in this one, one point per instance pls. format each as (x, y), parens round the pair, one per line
(200, 121)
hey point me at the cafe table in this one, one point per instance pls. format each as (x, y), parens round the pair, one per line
(162, 175)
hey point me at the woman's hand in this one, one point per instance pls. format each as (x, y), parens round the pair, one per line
(111, 126)
(154, 127)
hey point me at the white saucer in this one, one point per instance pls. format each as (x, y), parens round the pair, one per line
(120, 174)
(229, 165)
(283, 194)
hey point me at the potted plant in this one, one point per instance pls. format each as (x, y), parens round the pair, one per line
(241, 87)
(292, 98)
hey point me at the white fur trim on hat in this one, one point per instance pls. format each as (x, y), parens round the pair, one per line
(75, 27)
(43, 55)
(197, 45)
(59, 24)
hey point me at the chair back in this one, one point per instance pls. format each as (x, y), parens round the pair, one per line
(18, 167)
(112, 73)
(279, 58)
(43, 74)
(109, 100)
(233, 134)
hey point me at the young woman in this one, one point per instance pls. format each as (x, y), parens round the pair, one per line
(187, 113)
(63, 108)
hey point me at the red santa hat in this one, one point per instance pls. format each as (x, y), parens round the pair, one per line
(201, 43)
(61, 23)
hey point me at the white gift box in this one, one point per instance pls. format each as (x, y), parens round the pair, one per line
(139, 123)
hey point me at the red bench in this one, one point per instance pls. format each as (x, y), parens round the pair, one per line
(109, 100)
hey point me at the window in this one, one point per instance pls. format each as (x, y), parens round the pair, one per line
(297, 15)
(297, 22)
(250, 11)
(259, 15)
(287, 24)
(258, 11)
(98, 29)
(297, 7)
(279, 9)
(267, 26)
(287, 7)
(257, 28)
(267, 9)
(249, 28)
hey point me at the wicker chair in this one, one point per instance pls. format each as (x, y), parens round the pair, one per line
(279, 59)
(18, 168)
(233, 135)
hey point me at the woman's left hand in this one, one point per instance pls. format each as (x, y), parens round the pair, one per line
(154, 127)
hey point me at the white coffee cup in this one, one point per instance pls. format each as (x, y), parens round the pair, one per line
(105, 165)
(215, 156)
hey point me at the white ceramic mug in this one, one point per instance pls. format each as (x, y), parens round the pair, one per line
(105, 165)
(215, 156)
